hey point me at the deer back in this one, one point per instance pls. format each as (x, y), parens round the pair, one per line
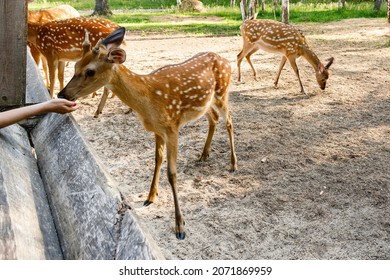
(64, 38)
(186, 90)
(274, 36)
(56, 13)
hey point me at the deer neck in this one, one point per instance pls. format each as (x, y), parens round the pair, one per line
(130, 88)
(311, 57)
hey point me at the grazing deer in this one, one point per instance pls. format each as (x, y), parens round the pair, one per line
(43, 16)
(61, 40)
(163, 100)
(286, 40)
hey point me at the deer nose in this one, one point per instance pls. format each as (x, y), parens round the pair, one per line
(61, 95)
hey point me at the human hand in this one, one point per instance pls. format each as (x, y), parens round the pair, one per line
(61, 106)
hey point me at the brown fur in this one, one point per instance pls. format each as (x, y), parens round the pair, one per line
(61, 40)
(164, 101)
(282, 39)
(43, 16)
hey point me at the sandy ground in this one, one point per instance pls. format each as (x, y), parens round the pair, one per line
(314, 172)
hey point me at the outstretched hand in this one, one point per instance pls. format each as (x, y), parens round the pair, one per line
(60, 106)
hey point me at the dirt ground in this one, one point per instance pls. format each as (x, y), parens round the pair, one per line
(313, 178)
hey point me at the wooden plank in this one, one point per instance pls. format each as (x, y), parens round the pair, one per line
(26, 227)
(90, 216)
(13, 38)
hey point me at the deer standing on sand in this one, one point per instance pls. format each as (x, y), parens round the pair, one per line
(286, 40)
(43, 16)
(163, 100)
(62, 40)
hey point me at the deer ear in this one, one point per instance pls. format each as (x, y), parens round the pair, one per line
(330, 61)
(116, 55)
(115, 39)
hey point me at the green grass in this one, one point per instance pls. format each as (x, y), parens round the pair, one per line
(156, 15)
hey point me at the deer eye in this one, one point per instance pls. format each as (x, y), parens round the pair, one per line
(90, 73)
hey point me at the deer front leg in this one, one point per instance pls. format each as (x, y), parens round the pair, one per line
(45, 70)
(247, 51)
(153, 192)
(213, 117)
(248, 58)
(172, 158)
(295, 68)
(61, 69)
(282, 63)
(240, 57)
(53, 66)
(101, 103)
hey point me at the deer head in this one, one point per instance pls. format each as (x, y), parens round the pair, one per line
(322, 74)
(93, 70)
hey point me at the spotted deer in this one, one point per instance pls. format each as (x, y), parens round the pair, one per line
(286, 40)
(43, 16)
(61, 40)
(163, 100)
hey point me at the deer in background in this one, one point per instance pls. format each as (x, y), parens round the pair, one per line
(62, 40)
(286, 40)
(163, 100)
(43, 16)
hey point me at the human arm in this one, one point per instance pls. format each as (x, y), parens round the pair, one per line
(61, 106)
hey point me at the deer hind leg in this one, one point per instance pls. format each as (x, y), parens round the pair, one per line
(159, 155)
(223, 106)
(101, 103)
(233, 157)
(212, 116)
(282, 63)
(172, 144)
(295, 68)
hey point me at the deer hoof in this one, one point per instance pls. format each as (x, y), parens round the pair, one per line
(233, 169)
(147, 203)
(180, 235)
(204, 157)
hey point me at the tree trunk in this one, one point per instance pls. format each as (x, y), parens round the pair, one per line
(102, 8)
(262, 5)
(252, 8)
(388, 11)
(378, 4)
(275, 5)
(243, 9)
(341, 4)
(285, 11)
(248, 9)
